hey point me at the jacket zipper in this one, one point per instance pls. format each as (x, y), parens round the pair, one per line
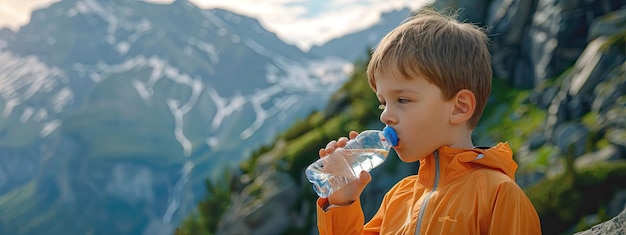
(421, 212)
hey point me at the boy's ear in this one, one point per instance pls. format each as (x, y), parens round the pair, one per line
(464, 106)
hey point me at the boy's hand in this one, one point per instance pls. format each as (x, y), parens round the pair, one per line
(350, 192)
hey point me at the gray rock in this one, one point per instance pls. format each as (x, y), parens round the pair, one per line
(542, 97)
(608, 24)
(557, 112)
(615, 226)
(617, 137)
(528, 178)
(546, 24)
(593, 66)
(606, 154)
(470, 11)
(614, 119)
(571, 138)
(521, 74)
(508, 21)
(617, 204)
(536, 141)
(579, 92)
(608, 92)
(578, 106)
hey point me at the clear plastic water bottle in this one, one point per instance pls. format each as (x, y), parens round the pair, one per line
(368, 150)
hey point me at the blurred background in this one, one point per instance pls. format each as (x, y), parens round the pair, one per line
(199, 116)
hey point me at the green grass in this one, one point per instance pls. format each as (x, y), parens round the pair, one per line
(561, 203)
(17, 201)
(508, 117)
(27, 210)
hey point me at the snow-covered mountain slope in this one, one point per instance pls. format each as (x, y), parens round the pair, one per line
(113, 113)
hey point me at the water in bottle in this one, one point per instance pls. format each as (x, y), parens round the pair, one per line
(368, 150)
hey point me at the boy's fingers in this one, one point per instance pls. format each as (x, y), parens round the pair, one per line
(353, 134)
(342, 142)
(322, 152)
(331, 146)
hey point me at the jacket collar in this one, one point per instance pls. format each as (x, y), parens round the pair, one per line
(456, 162)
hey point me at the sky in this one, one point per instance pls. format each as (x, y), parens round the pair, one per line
(300, 22)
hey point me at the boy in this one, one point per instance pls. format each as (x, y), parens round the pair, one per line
(432, 76)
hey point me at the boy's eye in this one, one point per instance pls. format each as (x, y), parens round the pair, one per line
(402, 101)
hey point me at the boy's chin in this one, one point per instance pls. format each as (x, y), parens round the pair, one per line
(405, 156)
(402, 158)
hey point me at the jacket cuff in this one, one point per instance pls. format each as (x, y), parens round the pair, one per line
(327, 214)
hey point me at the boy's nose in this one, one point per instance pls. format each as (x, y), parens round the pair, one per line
(387, 118)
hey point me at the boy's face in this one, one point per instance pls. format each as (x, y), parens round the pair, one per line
(416, 109)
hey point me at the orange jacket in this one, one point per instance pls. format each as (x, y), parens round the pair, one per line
(456, 191)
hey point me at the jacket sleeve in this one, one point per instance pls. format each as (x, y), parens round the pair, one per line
(349, 219)
(513, 213)
(340, 220)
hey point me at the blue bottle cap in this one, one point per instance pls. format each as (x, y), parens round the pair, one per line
(391, 135)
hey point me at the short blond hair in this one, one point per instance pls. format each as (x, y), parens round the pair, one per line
(449, 54)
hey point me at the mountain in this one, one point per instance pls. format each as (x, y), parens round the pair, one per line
(113, 113)
(354, 46)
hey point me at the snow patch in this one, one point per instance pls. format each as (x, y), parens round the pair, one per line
(210, 50)
(122, 47)
(22, 78)
(49, 127)
(225, 106)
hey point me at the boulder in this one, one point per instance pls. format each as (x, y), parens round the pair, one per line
(606, 154)
(470, 11)
(571, 138)
(615, 226)
(617, 136)
(608, 24)
(607, 93)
